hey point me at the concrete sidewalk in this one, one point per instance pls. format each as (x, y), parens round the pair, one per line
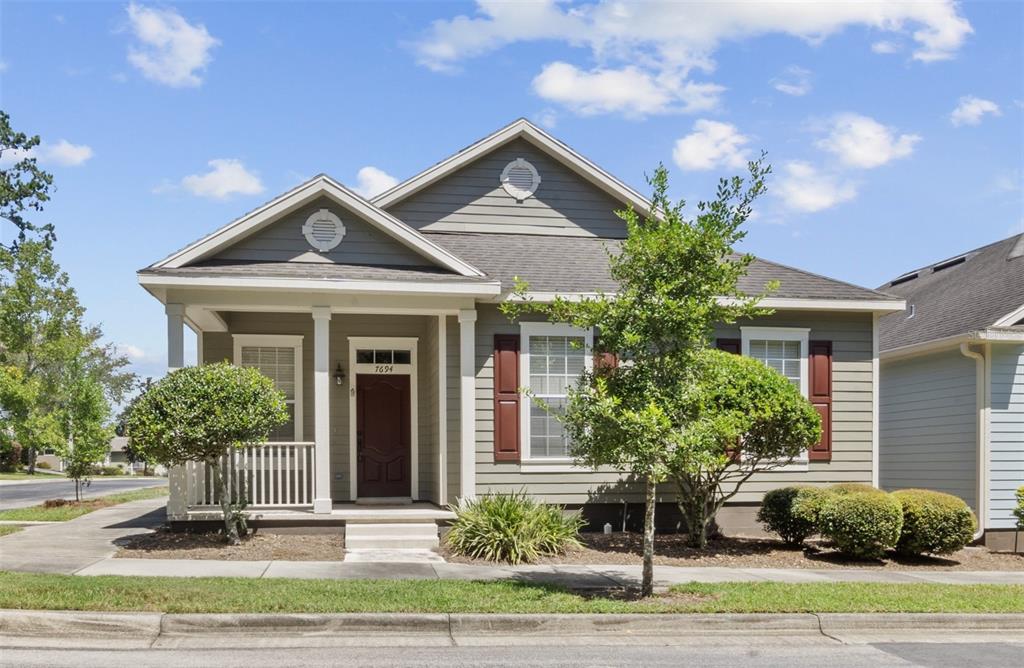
(575, 576)
(66, 547)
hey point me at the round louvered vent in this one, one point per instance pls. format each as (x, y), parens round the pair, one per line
(520, 179)
(323, 230)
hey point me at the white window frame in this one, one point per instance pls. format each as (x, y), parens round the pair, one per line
(278, 341)
(526, 330)
(801, 334)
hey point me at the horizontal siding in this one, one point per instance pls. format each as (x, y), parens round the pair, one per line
(928, 424)
(472, 200)
(852, 385)
(283, 241)
(1006, 426)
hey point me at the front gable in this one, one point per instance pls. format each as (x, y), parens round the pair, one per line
(274, 233)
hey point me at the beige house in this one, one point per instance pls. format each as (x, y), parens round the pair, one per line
(379, 320)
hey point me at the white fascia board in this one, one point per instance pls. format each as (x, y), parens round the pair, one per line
(481, 289)
(936, 345)
(782, 303)
(321, 185)
(1010, 318)
(519, 128)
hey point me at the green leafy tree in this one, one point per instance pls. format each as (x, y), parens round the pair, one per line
(677, 278)
(197, 414)
(24, 186)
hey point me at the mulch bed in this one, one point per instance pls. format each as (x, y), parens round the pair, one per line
(260, 546)
(671, 550)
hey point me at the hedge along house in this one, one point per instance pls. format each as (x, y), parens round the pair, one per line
(380, 322)
(952, 385)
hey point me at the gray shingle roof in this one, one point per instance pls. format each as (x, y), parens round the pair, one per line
(310, 270)
(580, 264)
(950, 298)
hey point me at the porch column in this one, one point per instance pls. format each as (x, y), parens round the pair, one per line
(322, 408)
(175, 336)
(467, 401)
(177, 503)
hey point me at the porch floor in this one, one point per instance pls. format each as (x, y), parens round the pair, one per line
(419, 511)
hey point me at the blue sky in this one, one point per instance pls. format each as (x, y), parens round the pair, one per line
(895, 129)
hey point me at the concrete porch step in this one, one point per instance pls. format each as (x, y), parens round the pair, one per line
(391, 536)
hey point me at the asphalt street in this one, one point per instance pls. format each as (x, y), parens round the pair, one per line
(789, 653)
(33, 493)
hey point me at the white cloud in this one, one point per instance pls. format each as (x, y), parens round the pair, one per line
(644, 53)
(711, 144)
(226, 177)
(804, 188)
(630, 91)
(371, 181)
(132, 352)
(1007, 182)
(972, 109)
(170, 50)
(796, 81)
(3, 66)
(885, 47)
(61, 154)
(547, 118)
(863, 142)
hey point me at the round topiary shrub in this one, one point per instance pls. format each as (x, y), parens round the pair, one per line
(778, 513)
(862, 525)
(854, 488)
(933, 522)
(511, 528)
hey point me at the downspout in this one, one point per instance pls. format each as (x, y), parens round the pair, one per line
(981, 394)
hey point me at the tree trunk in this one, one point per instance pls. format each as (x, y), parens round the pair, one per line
(31, 461)
(647, 582)
(230, 528)
(694, 509)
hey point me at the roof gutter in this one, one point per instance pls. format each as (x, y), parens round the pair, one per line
(982, 402)
(780, 303)
(461, 288)
(990, 335)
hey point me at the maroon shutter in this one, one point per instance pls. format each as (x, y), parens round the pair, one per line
(728, 345)
(735, 347)
(506, 397)
(820, 394)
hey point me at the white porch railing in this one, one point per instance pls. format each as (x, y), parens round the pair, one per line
(272, 475)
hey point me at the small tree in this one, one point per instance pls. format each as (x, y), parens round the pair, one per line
(197, 414)
(739, 418)
(677, 278)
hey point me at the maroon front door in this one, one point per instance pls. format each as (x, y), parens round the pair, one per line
(383, 435)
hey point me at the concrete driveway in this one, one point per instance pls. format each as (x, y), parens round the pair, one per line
(19, 494)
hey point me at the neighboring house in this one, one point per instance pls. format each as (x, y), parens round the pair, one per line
(952, 396)
(379, 320)
(116, 455)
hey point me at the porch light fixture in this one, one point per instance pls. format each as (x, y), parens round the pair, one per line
(339, 375)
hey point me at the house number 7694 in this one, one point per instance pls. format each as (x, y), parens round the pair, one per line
(384, 368)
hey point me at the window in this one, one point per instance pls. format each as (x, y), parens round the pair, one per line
(280, 359)
(553, 356)
(782, 348)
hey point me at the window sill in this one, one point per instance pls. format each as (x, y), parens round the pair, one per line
(552, 466)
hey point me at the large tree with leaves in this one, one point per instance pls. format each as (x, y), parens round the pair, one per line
(677, 277)
(24, 186)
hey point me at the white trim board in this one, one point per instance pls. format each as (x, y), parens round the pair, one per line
(471, 288)
(410, 343)
(318, 186)
(1010, 318)
(779, 303)
(520, 128)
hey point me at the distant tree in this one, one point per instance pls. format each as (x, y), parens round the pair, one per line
(677, 278)
(200, 413)
(24, 186)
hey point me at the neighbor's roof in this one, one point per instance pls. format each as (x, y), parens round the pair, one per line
(977, 290)
(580, 264)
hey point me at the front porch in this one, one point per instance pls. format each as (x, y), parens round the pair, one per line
(381, 388)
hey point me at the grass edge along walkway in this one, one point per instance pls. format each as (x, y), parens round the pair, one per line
(73, 510)
(31, 591)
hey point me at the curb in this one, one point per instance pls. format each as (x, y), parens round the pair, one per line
(20, 626)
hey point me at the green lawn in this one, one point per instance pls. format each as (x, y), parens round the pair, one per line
(8, 529)
(69, 592)
(21, 475)
(73, 510)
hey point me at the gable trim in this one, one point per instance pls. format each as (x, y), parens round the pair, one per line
(518, 128)
(1011, 318)
(319, 185)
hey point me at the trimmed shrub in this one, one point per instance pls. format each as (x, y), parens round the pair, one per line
(854, 488)
(1018, 512)
(933, 522)
(779, 513)
(46, 466)
(862, 525)
(511, 528)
